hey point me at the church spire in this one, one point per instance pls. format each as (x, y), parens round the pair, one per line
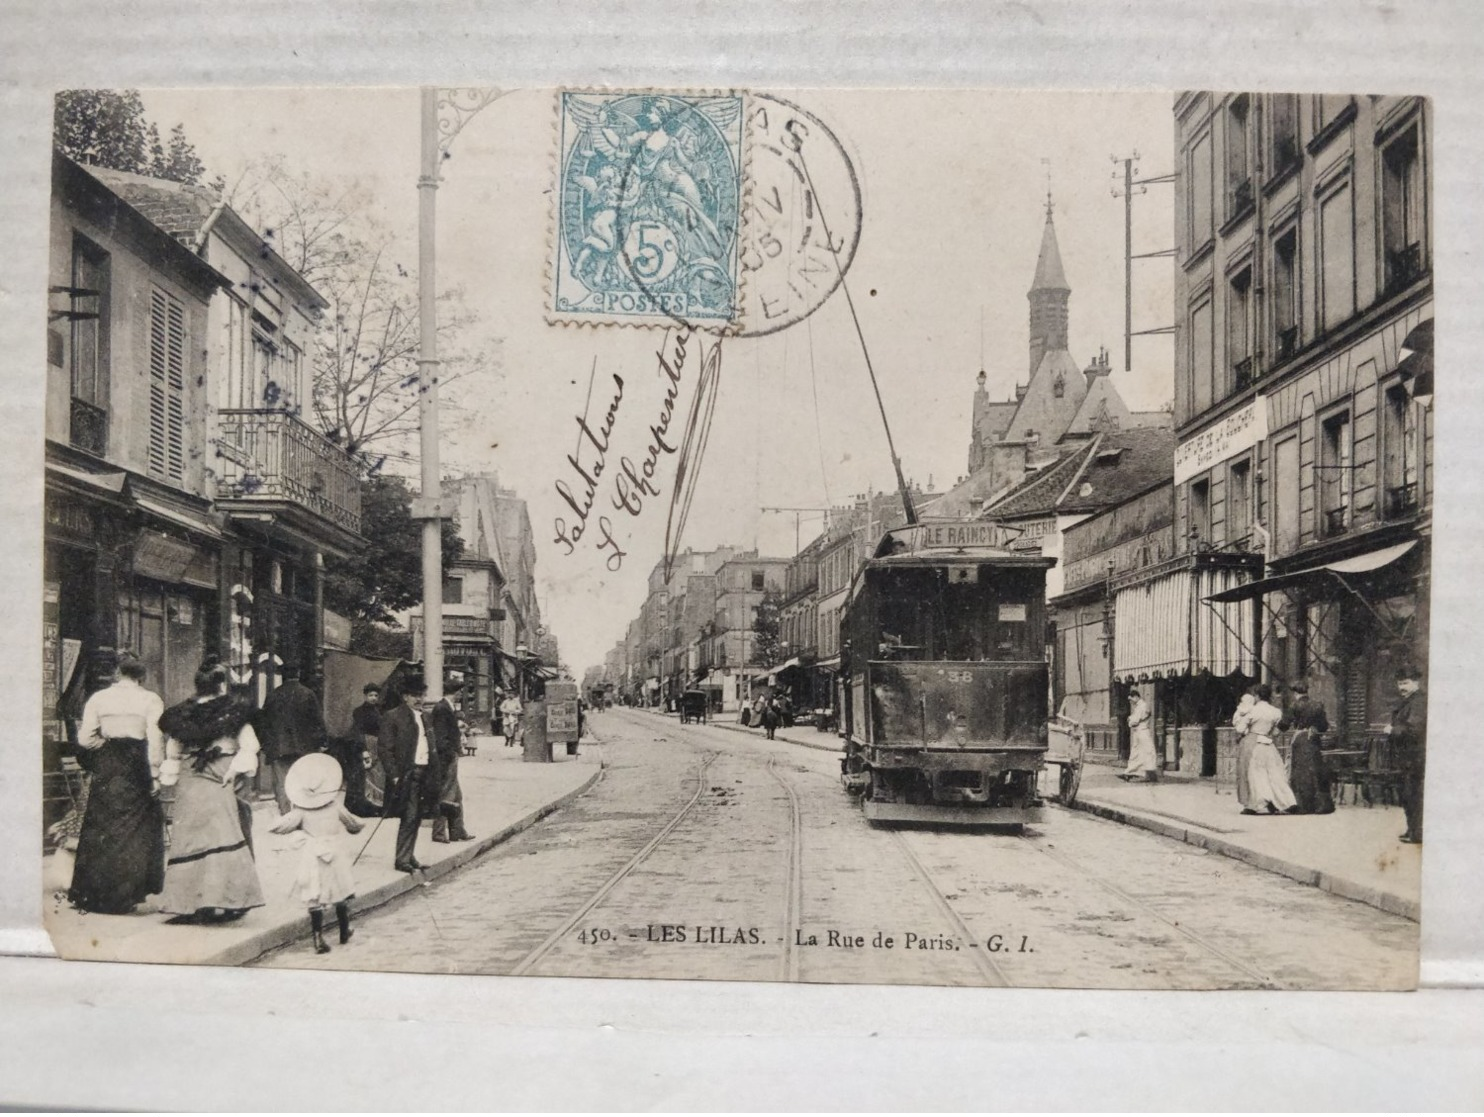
(1048, 296)
(1049, 273)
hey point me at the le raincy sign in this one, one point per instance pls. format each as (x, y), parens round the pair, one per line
(954, 536)
(1241, 430)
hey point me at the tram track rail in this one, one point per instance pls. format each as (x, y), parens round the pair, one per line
(1265, 980)
(793, 900)
(565, 928)
(993, 973)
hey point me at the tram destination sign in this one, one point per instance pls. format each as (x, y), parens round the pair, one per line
(954, 536)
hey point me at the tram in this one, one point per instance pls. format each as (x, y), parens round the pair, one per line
(944, 661)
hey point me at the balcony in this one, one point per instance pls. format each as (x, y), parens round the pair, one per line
(88, 431)
(1403, 265)
(1244, 374)
(1288, 342)
(271, 463)
(1401, 500)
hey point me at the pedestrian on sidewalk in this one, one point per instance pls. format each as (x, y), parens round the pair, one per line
(1242, 723)
(1309, 775)
(510, 715)
(211, 752)
(1266, 778)
(413, 773)
(291, 725)
(1143, 761)
(448, 822)
(772, 715)
(317, 811)
(1408, 733)
(121, 846)
(365, 730)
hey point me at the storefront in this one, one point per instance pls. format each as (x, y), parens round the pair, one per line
(1190, 657)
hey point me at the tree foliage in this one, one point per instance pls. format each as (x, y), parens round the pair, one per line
(366, 386)
(108, 128)
(386, 576)
(767, 645)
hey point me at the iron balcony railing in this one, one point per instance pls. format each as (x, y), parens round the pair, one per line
(271, 455)
(1403, 265)
(1288, 338)
(1244, 372)
(89, 428)
(1337, 520)
(1401, 500)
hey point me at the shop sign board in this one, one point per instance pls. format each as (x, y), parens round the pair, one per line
(1239, 431)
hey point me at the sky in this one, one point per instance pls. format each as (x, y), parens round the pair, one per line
(953, 201)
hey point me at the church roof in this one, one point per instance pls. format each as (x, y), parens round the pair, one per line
(1102, 409)
(1049, 273)
(1043, 411)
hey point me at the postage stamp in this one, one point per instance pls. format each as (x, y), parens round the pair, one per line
(648, 209)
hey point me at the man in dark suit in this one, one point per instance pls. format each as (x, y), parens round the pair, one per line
(290, 725)
(1408, 731)
(448, 823)
(413, 773)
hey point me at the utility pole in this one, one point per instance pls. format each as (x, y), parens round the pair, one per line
(436, 136)
(1130, 182)
(798, 515)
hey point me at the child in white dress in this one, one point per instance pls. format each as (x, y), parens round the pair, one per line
(313, 786)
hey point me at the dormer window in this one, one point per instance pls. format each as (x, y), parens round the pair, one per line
(1059, 386)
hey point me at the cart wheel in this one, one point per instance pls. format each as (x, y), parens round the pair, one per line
(1068, 782)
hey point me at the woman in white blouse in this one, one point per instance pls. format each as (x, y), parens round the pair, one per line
(210, 875)
(121, 848)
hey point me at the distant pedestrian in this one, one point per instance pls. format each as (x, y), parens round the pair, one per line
(121, 847)
(1308, 773)
(1408, 733)
(211, 752)
(510, 715)
(1242, 723)
(1267, 780)
(772, 716)
(1143, 761)
(365, 729)
(323, 878)
(448, 822)
(291, 725)
(413, 772)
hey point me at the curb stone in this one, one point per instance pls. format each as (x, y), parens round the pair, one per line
(271, 938)
(1316, 878)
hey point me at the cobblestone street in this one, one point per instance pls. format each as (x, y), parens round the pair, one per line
(705, 853)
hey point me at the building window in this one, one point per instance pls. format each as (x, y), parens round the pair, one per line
(453, 590)
(1328, 109)
(1283, 152)
(1200, 216)
(1402, 216)
(757, 580)
(1239, 501)
(88, 317)
(1200, 514)
(167, 349)
(1201, 360)
(1239, 156)
(1400, 475)
(1239, 329)
(1285, 501)
(1336, 258)
(1285, 294)
(1335, 474)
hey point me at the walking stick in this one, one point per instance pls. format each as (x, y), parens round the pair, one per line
(375, 828)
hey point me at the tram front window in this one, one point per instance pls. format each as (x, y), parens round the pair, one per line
(921, 615)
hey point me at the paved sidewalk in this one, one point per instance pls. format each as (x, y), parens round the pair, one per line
(502, 796)
(805, 735)
(1353, 853)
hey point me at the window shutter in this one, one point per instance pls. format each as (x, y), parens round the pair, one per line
(166, 386)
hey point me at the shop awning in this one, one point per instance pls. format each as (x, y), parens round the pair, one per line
(198, 522)
(794, 662)
(110, 482)
(1359, 564)
(1152, 627)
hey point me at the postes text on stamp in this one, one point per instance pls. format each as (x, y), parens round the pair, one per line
(648, 209)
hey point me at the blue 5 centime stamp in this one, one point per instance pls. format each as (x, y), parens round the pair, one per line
(648, 209)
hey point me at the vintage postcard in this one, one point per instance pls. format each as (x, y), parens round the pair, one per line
(890, 536)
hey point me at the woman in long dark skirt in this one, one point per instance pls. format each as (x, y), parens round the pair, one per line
(121, 849)
(1309, 775)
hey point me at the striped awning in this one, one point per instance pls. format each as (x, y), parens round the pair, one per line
(1166, 626)
(1151, 634)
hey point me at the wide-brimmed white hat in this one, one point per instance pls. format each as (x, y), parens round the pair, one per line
(313, 781)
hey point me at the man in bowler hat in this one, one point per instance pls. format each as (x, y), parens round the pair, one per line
(1408, 732)
(414, 773)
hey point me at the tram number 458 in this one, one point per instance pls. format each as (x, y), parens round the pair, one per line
(1000, 944)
